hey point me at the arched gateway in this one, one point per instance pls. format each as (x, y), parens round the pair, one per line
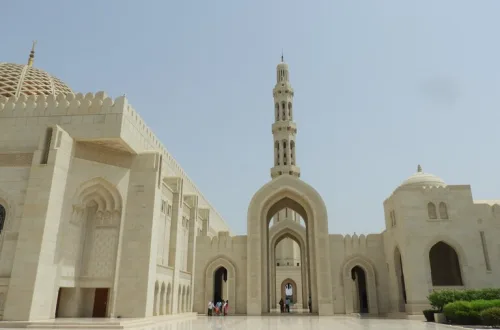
(291, 192)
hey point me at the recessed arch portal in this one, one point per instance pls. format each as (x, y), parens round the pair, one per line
(213, 269)
(287, 191)
(368, 271)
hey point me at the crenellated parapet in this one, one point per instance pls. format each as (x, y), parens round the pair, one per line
(357, 244)
(60, 105)
(223, 243)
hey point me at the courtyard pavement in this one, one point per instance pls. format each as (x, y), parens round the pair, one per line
(290, 323)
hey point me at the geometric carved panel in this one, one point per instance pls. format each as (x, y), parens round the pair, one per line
(102, 254)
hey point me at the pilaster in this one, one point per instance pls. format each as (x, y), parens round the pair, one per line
(33, 285)
(192, 200)
(174, 260)
(137, 268)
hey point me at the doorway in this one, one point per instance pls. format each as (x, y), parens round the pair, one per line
(100, 302)
(359, 278)
(220, 285)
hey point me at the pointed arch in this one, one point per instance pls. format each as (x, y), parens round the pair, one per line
(155, 302)
(162, 299)
(8, 213)
(211, 269)
(287, 191)
(371, 283)
(445, 266)
(431, 210)
(169, 299)
(100, 191)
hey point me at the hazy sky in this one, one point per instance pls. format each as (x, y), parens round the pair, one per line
(380, 86)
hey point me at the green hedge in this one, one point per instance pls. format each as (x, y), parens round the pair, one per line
(491, 316)
(469, 312)
(438, 299)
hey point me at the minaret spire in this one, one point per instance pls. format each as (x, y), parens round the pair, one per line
(284, 128)
(32, 54)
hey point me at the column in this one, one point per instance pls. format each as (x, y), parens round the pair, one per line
(137, 260)
(33, 284)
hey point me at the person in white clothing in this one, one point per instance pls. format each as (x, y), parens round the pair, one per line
(210, 308)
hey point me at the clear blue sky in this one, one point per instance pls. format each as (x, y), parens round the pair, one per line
(380, 86)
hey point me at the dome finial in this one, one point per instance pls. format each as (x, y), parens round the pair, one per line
(32, 54)
(282, 55)
(419, 168)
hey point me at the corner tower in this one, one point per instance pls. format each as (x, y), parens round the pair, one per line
(284, 128)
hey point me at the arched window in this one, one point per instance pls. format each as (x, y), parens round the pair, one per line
(445, 266)
(277, 152)
(289, 109)
(283, 107)
(393, 218)
(284, 153)
(2, 217)
(277, 106)
(292, 152)
(431, 210)
(443, 211)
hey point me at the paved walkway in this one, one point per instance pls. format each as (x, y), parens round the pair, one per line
(303, 323)
(286, 323)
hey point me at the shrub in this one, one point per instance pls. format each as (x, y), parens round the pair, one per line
(491, 316)
(429, 314)
(468, 312)
(438, 299)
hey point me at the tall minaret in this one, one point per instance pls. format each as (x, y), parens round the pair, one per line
(284, 128)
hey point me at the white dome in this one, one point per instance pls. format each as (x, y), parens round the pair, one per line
(421, 179)
(17, 79)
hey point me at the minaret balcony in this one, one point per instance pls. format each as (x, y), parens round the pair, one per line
(284, 126)
(285, 170)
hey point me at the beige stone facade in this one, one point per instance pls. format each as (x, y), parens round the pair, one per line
(99, 220)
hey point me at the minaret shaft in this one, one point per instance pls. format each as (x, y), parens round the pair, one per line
(284, 128)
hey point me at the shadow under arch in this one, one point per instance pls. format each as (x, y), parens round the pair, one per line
(287, 191)
(211, 269)
(460, 252)
(400, 279)
(371, 283)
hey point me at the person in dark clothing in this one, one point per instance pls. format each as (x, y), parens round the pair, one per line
(310, 305)
(282, 303)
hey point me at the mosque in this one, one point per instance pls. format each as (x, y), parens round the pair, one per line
(97, 219)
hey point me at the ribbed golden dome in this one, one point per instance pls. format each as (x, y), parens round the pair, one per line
(17, 79)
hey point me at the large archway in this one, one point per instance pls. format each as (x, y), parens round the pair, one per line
(291, 192)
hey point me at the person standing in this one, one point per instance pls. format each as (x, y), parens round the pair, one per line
(287, 304)
(310, 305)
(226, 307)
(210, 308)
(282, 305)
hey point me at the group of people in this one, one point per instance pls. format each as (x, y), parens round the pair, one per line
(219, 308)
(285, 305)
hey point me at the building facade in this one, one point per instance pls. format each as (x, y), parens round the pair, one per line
(97, 219)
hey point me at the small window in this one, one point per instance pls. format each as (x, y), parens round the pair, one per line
(443, 211)
(163, 206)
(288, 264)
(277, 264)
(169, 210)
(298, 264)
